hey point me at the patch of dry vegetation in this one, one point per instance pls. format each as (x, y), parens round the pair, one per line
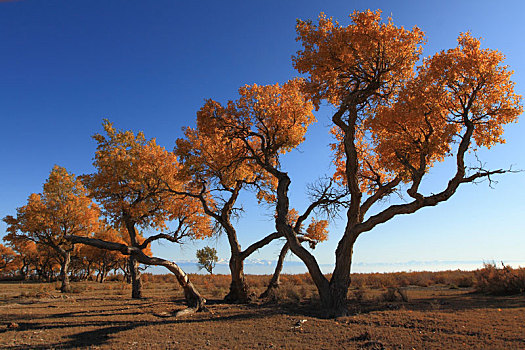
(102, 315)
(500, 281)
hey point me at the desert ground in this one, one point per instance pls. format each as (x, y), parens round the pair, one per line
(103, 316)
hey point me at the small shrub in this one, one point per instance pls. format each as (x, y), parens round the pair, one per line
(389, 295)
(466, 282)
(287, 293)
(219, 292)
(500, 281)
(394, 294)
(359, 295)
(293, 294)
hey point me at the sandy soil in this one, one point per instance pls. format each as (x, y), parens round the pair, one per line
(102, 316)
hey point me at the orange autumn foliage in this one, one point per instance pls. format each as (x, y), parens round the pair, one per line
(96, 255)
(463, 83)
(207, 154)
(26, 253)
(63, 208)
(271, 117)
(407, 118)
(317, 230)
(229, 138)
(133, 180)
(7, 260)
(341, 58)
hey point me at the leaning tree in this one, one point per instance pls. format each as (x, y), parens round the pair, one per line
(315, 233)
(62, 209)
(131, 184)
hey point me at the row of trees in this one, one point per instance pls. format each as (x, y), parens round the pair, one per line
(395, 116)
(37, 246)
(26, 260)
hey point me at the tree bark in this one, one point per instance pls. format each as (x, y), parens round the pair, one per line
(193, 298)
(239, 290)
(136, 281)
(335, 302)
(275, 280)
(64, 275)
(283, 227)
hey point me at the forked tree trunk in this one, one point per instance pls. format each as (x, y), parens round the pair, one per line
(64, 275)
(136, 281)
(331, 293)
(275, 280)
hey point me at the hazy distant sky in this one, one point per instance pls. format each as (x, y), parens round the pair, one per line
(149, 65)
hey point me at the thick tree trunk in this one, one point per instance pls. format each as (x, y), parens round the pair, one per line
(239, 290)
(64, 275)
(136, 281)
(191, 294)
(335, 301)
(275, 281)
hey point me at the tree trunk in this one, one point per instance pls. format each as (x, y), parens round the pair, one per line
(275, 281)
(193, 297)
(283, 227)
(64, 275)
(25, 272)
(191, 294)
(335, 301)
(239, 290)
(136, 282)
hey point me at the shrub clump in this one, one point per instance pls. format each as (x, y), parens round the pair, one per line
(500, 281)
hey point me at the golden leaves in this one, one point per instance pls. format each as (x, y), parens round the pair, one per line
(63, 208)
(136, 179)
(402, 120)
(344, 61)
(277, 116)
(454, 87)
(317, 230)
(231, 142)
(7, 260)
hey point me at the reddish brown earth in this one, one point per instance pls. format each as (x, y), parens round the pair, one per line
(36, 316)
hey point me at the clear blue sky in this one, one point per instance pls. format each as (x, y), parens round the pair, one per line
(148, 65)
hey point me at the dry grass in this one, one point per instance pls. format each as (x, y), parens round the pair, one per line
(217, 285)
(102, 315)
(500, 281)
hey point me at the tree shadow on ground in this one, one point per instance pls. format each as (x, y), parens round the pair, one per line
(109, 328)
(106, 329)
